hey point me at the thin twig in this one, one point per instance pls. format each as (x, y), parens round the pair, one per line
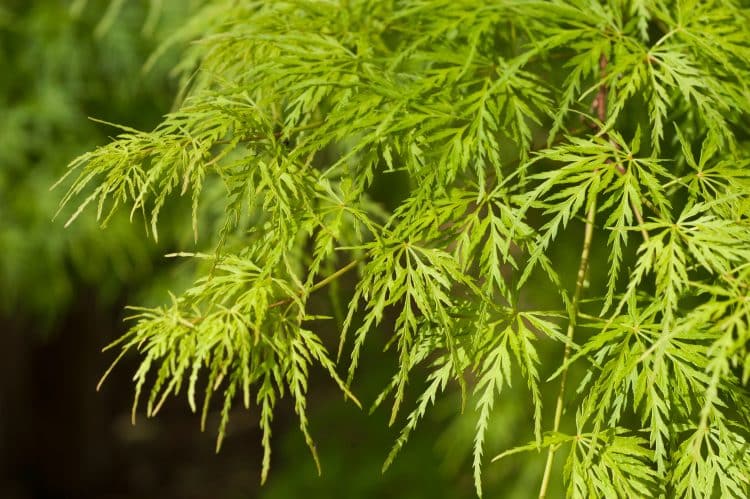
(600, 104)
(639, 218)
(580, 281)
(320, 284)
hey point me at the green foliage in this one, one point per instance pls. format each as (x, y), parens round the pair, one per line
(513, 124)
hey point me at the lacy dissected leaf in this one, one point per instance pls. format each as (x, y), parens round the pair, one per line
(448, 170)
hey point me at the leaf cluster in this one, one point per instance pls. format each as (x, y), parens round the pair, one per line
(513, 124)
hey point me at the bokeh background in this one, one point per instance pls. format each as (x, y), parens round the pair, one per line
(63, 293)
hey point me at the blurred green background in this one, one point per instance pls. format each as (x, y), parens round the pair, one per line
(63, 292)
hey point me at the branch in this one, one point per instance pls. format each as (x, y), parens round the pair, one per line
(600, 103)
(320, 284)
(582, 269)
